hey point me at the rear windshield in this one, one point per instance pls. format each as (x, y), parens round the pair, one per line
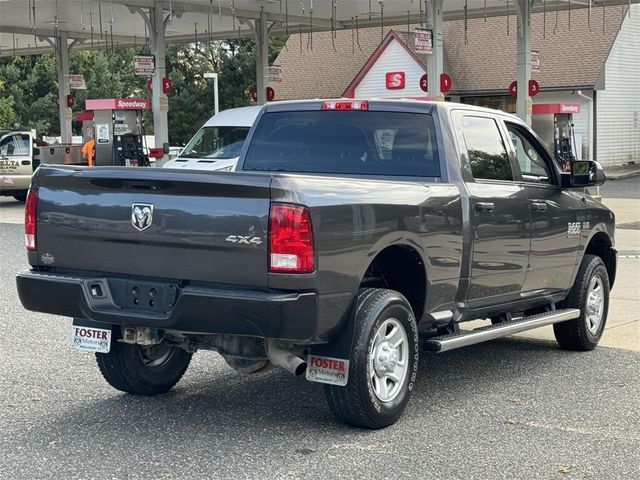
(216, 142)
(352, 142)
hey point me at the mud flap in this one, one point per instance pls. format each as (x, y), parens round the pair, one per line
(329, 362)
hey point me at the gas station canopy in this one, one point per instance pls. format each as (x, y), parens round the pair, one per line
(25, 25)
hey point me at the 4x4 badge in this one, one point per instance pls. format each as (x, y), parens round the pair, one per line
(141, 215)
(248, 240)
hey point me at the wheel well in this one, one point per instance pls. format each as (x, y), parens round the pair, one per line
(600, 245)
(399, 268)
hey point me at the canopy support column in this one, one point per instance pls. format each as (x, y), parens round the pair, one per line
(62, 67)
(159, 101)
(260, 29)
(156, 24)
(523, 102)
(435, 64)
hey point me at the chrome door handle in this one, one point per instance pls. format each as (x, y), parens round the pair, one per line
(484, 207)
(538, 206)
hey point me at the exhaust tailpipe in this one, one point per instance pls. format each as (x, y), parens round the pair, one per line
(284, 358)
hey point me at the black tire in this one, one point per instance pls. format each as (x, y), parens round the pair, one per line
(131, 368)
(21, 197)
(357, 403)
(581, 334)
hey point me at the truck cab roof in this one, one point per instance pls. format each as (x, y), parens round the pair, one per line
(235, 117)
(396, 104)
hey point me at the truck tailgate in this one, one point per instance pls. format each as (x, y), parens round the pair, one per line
(196, 226)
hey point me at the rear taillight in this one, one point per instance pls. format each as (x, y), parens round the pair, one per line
(345, 105)
(290, 239)
(30, 208)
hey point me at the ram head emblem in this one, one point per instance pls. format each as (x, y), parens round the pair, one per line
(141, 215)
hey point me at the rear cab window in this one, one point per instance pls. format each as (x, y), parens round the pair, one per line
(345, 142)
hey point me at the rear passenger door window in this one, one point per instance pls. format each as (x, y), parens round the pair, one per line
(486, 151)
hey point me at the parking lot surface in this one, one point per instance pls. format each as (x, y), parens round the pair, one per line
(515, 408)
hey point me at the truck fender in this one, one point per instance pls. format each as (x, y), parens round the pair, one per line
(609, 258)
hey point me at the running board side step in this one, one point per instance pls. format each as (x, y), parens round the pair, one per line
(452, 341)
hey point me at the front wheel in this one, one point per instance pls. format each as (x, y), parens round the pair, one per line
(590, 293)
(143, 370)
(383, 363)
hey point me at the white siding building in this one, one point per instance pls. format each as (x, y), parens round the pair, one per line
(618, 97)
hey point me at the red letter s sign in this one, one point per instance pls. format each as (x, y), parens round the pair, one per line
(395, 80)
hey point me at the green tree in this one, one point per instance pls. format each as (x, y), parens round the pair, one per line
(7, 114)
(31, 86)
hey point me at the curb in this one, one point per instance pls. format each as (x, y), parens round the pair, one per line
(622, 176)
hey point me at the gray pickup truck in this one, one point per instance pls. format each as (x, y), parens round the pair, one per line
(354, 234)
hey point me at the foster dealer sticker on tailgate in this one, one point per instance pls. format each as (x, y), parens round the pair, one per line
(91, 339)
(334, 371)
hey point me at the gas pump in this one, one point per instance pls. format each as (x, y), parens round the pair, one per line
(118, 131)
(553, 122)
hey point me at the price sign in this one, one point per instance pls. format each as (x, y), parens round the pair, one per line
(144, 64)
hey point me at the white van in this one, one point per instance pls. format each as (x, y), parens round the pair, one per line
(218, 144)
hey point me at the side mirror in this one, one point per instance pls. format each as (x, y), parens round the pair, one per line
(586, 173)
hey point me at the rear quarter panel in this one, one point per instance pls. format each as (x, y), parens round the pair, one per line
(356, 218)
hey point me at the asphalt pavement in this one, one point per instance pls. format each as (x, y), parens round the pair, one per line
(625, 188)
(516, 408)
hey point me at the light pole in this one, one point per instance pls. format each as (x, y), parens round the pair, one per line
(215, 89)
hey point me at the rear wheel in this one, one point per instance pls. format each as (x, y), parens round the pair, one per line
(383, 363)
(590, 294)
(143, 370)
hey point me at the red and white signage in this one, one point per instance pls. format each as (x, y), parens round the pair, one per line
(513, 88)
(91, 339)
(395, 80)
(545, 108)
(535, 61)
(424, 83)
(534, 88)
(334, 371)
(271, 94)
(166, 85)
(117, 104)
(423, 41)
(275, 73)
(76, 82)
(144, 64)
(132, 104)
(445, 82)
